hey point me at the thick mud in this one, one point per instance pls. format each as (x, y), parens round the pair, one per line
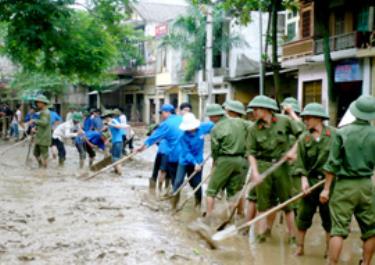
(53, 217)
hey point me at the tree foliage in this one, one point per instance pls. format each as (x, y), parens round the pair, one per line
(51, 37)
(188, 34)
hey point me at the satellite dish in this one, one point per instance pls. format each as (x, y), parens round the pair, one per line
(347, 119)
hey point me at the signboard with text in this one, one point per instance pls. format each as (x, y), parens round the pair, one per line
(348, 71)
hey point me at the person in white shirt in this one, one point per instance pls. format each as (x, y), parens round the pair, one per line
(68, 129)
(16, 123)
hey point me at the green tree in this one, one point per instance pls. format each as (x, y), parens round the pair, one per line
(188, 34)
(241, 10)
(50, 36)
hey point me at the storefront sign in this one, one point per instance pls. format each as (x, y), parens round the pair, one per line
(348, 71)
(161, 30)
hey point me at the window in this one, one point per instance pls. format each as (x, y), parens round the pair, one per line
(306, 24)
(291, 31)
(312, 92)
(339, 23)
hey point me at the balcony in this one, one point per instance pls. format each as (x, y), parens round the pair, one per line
(140, 70)
(298, 49)
(338, 42)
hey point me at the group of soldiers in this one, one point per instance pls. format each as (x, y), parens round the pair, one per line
(307, 150)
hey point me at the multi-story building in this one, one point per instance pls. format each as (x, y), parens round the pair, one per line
(351, 25)
(142, 89)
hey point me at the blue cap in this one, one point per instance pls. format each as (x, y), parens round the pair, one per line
(167, 108)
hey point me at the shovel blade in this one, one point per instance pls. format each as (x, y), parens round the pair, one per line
(230, 231)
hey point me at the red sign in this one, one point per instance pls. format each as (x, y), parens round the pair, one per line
(161, 30)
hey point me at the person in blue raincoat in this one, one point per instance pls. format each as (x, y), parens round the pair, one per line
(191, 154)
(167, 135)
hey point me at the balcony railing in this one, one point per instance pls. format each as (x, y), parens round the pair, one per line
(298, 48)
(337, 42)
(140, 70)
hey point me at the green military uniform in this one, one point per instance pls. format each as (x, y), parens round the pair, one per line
(312, 155)
(352, 161)
(43, 135)
(228, 150)
(267, 145)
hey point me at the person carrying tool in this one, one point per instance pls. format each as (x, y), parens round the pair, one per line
(168, 135)
(267, 142)
(42, 131)
(313, 151)
(69, 129)
(351, 164)
(228, 151)
(191, 154)
(117, 131)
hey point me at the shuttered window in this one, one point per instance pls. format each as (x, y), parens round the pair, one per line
(312, 92)
(306, 24)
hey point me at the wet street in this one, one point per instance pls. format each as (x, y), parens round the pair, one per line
(53, 217)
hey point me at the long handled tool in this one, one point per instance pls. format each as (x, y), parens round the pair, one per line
(232, 230)
(29, 149)
(192, 175)
(249, 186)
(192, 195)
(118, 162)
(14, 145)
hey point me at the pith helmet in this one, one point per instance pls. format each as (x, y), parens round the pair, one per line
(263, 102)
(107, 113)
(235, 106)
(316, 110)
(214, 110)
(41, 98)
(363, 108)
(293, 102)
(249, 110)
(77, 116)
(189, 122)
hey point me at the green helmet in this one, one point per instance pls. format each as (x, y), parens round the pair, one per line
(77, 117)
(117, 112)
(41, 98)
(263, 102)
(249, 110)
(235, 106)
(107, 113)
(363, 108)
(293, 102)
(214, 110)
(316, 110)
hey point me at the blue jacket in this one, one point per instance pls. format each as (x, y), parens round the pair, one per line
(97, 123)
(168, 135)
(54, 117)
(87, 124)
(192, 145)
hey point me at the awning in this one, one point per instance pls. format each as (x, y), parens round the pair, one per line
(117, 84)
(240, 78)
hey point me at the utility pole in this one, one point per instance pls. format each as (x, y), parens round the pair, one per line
(209, 56)
(261, 69)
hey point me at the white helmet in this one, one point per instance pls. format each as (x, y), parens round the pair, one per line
(189, 122)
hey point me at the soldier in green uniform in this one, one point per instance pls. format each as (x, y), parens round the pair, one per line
(267, 142)
(351, 163)
(292, 109)
(43, 131)
(235, 109)
(228, 151)
(313, 150)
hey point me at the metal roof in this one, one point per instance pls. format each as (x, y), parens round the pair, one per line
(159, 12)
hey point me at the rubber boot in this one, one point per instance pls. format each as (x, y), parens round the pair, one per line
(197, 201)
(81, 163)
(152, 186)
(61, 162)
(175, 200)
(91, 162)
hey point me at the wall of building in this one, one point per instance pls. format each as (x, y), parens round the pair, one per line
(312, 73)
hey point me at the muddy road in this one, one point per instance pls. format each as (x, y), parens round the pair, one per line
(53, 217)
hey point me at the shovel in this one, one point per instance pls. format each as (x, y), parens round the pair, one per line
(232, 230)
(192, 175)
(118, 162)
(249, 186)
